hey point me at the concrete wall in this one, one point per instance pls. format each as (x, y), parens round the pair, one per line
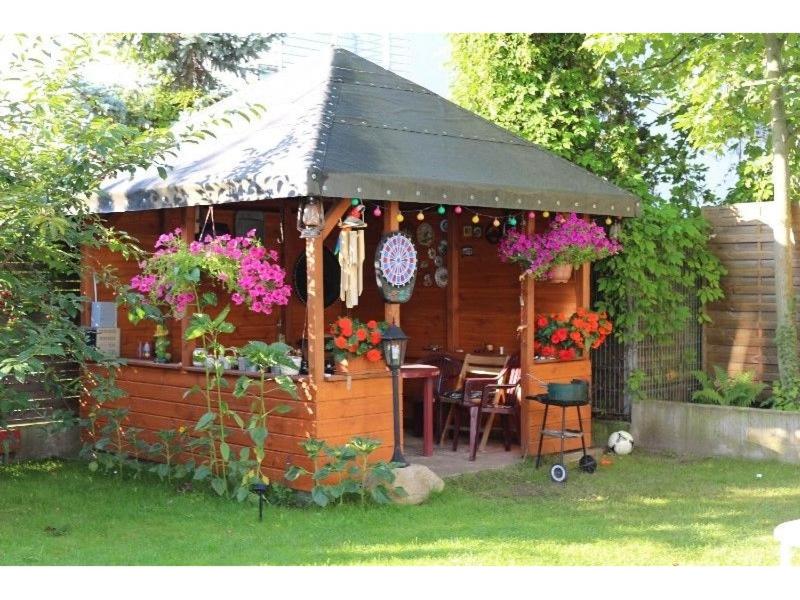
(704, 430)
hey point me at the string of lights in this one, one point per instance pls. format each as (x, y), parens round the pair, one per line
(512, 218)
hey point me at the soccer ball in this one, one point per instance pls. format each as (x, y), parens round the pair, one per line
(620, 442)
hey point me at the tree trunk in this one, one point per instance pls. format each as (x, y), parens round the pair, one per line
(783, 239)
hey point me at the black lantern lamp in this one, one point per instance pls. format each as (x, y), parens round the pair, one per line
(260, 488)
(394, 343)
(310, 217)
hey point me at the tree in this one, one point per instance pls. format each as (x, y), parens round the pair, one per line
(189, 68)
(730, 91)
(553, 90)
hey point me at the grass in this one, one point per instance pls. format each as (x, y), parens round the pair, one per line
(642, 510)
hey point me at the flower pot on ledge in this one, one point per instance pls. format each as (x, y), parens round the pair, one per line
(355, 365)
(560, 274)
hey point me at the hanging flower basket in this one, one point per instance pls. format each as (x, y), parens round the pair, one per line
(560, 274)
(569, 242)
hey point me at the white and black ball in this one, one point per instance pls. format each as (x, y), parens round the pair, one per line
(620, 442)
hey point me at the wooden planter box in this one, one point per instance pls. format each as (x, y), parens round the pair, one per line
(707, 430)
(360, 364)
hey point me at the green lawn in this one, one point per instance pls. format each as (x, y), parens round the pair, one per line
(643, 510)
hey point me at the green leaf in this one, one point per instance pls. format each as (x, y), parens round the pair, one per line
(319, 496)
(293, 472)
(258, 435)
(218, 485)
(282, 409)
(205, 421)
(202, 472)
(225, 451)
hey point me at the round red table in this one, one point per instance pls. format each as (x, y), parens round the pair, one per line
(429, 373)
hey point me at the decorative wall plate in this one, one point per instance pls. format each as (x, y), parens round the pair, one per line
(438, 261)
(467, 231)
(396, 266)
(442, 247)
(427, 280)
(425, 234)
(443, 224)
(441, 277)
(477, 231)
(331, 277)
(467, 251)
(431, 253)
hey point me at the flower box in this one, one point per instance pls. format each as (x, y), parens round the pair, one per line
(360, 364)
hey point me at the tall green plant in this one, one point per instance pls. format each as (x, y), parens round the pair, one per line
(740, 389)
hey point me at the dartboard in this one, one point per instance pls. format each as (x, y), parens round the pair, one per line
(397, 259)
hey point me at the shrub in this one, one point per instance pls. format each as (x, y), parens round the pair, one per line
(727, 390)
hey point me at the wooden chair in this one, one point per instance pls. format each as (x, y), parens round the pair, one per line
(449, 371)
(478, 371)
(497, 399)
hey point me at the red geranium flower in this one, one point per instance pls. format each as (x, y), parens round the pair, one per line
(361, 334)
(548, 350)
(373, 324)
(375, 338)
(567, 354)
(346, 326)
(373, 355)
(541, 321)
(340, 342)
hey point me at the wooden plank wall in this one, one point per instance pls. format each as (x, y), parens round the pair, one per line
(741, 336)
(155, 397)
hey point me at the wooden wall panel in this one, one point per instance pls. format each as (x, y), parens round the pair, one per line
(741, 334)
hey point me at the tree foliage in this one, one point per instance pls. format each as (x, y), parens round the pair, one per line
(553, 90)
(188, 69)
(57, 144)
(715, 93)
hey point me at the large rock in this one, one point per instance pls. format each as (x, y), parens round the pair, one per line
(418, 481)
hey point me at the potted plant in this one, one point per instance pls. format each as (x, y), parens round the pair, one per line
(356, 346)
(569, 243)
(560, 337)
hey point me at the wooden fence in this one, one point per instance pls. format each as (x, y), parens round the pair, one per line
(742, 334)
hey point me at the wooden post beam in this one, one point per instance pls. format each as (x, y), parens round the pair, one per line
(187, 347)
(390, 223)
(333, 216)
(453, 285)
(526, 329)
(315, 307)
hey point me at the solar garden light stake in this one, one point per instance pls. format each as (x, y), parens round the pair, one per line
(260, 489)
(394, 350)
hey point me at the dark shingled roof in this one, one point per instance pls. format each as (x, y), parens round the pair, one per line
(344, 127)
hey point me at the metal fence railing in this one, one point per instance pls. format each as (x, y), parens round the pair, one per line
(660, 369)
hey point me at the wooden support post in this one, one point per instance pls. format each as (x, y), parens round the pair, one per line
(583, 282)
(453, 261)
(391, 312)
(315, 305)
(527, 324)
(187, 347)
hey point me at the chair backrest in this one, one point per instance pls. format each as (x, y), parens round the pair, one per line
(449, 370)
(481, 365)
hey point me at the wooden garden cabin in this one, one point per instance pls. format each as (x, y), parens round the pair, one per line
(336, 129)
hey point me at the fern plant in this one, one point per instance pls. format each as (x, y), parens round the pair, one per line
(740, 389)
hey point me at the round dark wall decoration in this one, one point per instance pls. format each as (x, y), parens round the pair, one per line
(331, 274)
(493, 234)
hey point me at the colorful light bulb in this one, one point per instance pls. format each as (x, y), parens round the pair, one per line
(496, 222)
(457, 210)
(475, 219)
(420, 216)
(400, 218)
(355, 201)
(531, 215)
(608, 221)
(377, 212)
(440, 210)
(512, 221)
(546, 214)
